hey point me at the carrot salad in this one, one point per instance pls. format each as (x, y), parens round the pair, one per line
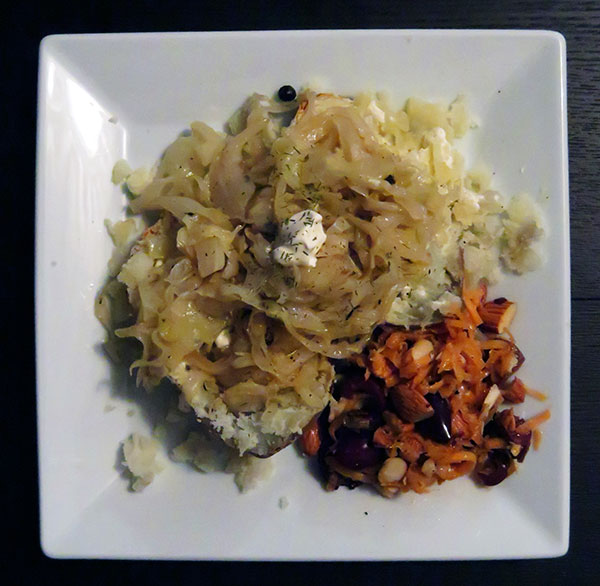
(424, 405)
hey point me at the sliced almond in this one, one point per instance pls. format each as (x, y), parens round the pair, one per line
(491, 402)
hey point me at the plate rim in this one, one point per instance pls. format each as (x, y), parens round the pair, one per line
(50, 42)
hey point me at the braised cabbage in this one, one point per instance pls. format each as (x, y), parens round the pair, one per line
(404, 223)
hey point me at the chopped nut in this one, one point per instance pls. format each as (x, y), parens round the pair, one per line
(506, 420)
(515, 391)
(389, 491)
(410, 404)
(392, 471)
(497, 315)
(410, 448)
(504, 361)
(491, 402)
(416, 359)
(422, 352)
(310, 440)
(428, 467)
(384, 437)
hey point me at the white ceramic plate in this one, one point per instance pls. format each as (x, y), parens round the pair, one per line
(105, 97)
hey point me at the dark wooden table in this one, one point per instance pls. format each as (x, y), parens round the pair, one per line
(27, 24)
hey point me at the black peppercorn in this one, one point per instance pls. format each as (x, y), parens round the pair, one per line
(390, 179)
(286, 93)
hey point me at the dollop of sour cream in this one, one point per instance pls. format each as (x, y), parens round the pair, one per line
(300, 238)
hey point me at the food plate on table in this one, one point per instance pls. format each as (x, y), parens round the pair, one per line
(109, 98)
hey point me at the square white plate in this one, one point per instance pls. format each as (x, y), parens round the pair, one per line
(104, 97)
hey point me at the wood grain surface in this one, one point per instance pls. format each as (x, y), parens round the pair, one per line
(23, 28)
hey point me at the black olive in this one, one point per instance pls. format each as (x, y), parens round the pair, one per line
(422, 459)
(495, 467)
(346, 367)
(390, 179)
(286, 93)
(438, 426)
(355, 451)
(351, 386)
(523, 440)
(360, 420)
(495, 429)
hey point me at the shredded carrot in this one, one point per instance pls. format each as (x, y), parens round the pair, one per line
(537, 438)
(536, 394)
(472, 300)
(534, 422)
(455, 457)
(494, 443)
(494, 344)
